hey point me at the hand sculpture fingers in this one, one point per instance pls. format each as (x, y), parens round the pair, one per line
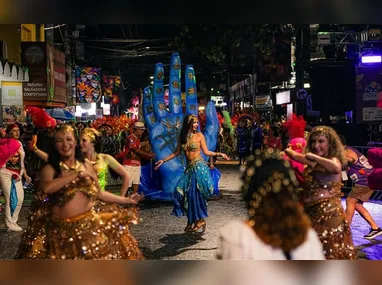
(175, 99)
(159, 104)
(191, 92)
(212, 126)
(148, 109)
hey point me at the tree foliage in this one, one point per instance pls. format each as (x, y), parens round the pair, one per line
(214, 41)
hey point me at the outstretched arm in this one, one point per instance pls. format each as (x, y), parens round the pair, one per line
(333, 165)
(112, 198)
(171, 156)
(121, 171)
(299, 157)
(39, 153)
(203, 146)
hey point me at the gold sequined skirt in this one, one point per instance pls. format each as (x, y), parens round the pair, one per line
(103, 235)
(329, 220)
(32, 245)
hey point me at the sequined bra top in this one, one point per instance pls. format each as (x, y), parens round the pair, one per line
(63, 197)
(193, 146)
(316, 189)
(189, 145)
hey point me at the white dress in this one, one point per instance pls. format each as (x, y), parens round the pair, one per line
(237, 241)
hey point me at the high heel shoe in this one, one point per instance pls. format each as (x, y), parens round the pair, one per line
(201, 224)
(189, 228)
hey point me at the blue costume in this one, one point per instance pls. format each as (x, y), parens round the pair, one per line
(192, 191)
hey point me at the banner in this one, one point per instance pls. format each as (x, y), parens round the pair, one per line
(33, 56)
(56, 78)
(111, 85)
(11, 93)
(88, 84)
(13, 114)
(368, 88)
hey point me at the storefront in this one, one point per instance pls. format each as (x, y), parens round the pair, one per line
(242, 95)
(12, 77)
(47, 85)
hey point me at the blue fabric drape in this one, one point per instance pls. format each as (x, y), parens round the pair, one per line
(13, 196)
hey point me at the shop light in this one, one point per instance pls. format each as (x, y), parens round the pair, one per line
(371, 59)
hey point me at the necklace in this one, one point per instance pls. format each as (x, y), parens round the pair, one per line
(70, 168)
(189, 135)
(94, 162)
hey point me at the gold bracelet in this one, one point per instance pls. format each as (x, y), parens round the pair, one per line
(35, 149)
(164, 160)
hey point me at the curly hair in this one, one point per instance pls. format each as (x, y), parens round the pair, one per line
(278, 219)
(336, 148)
(54, 158)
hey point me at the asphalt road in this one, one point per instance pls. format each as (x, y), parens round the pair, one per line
(161, 235)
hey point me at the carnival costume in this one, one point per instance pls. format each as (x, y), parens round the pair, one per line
(193, 187)
(91, 235)
(322, 202)
(375, 177)
(10, 180)
(296, 128)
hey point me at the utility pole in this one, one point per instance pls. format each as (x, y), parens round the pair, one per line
(302, 60)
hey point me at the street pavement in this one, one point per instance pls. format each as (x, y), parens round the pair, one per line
(161, 236)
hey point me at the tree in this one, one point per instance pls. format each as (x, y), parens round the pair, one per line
(214, 41)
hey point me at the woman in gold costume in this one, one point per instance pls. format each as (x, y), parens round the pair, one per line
(91, 148)
(72, 229)
(324, 157)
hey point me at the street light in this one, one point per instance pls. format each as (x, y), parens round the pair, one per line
(152, 82)
(151, 77)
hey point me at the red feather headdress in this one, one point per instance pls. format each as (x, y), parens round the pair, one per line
(295, 126)
(41, 119)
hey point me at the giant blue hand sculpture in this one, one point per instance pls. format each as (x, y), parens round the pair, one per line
(164, 125)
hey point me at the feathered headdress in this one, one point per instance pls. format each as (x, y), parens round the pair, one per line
(41, 119)
(8, 148)
(295, 126)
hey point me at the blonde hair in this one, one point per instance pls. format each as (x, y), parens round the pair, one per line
(91, 133)
(336, 148)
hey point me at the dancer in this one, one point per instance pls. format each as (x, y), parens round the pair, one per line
(90, 142)
(195, 185)
(324, 156)
(10, 181)
(73, 230)
(277, 227)
(358, 168)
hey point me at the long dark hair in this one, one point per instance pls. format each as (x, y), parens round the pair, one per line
(54, 157)
(188, 121)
